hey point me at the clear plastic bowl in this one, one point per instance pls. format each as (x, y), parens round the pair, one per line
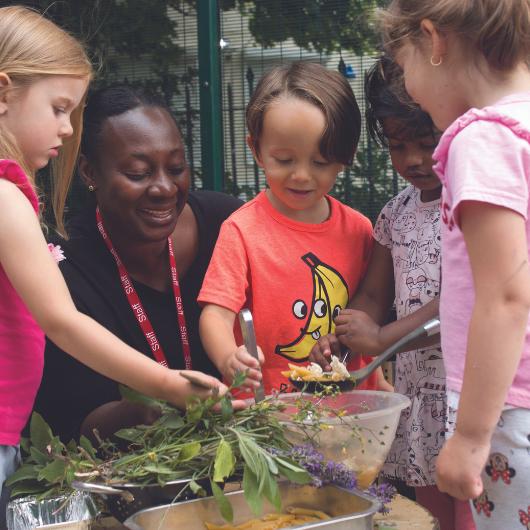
(356, 428)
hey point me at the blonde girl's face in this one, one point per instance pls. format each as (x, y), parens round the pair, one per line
(39, 116)
(434, 88)
(298, 175)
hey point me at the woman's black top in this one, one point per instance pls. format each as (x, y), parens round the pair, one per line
(69, 390)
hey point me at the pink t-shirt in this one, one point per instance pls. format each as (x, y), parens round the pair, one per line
(483, 156)
(21, 340)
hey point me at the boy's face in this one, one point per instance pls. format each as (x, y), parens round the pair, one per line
(412, 158)
(297, 174)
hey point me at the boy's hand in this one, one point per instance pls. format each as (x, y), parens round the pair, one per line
(459, 466)
(242, 361)
(358, 332)
(323, 349)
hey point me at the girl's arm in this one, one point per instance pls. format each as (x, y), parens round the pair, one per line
(496, 243)
(25, 257)
(216, 328)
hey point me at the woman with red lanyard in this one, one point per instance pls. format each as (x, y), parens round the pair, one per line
(135, 259)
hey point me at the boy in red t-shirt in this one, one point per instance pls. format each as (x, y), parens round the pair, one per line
(294, 255)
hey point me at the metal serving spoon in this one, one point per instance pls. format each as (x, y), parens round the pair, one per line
(430, 328)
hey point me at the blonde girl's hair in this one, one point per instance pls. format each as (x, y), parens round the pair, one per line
(497, 29)
(32, 48)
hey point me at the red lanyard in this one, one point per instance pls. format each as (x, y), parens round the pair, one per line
(136, 305)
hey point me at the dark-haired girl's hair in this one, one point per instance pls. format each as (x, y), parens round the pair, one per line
(386, 97)
(113, 101)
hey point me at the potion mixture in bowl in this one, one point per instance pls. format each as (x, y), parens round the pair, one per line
(356, 428)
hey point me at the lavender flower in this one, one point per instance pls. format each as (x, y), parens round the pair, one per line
(322, 472)
(384, 492)
(328, 472)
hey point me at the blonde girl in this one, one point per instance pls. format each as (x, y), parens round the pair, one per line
(44, 74)
(466, 63)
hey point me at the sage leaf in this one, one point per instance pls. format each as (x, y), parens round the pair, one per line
(130, 435)
(293, 473)
(224, 461)
(189, 451)
(272, 492)
(38, 456)
(227, 410)
(159, 468)
(24, 472)
(26, 488)
(25, 445)
(196, 488)
(40, 433)
(224, 504)
(84, 442)
(251, 491)
(172, 421)
(54, 472)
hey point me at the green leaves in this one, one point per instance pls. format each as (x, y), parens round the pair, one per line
(210, 442)
(40, 433)
(224, 461)
(224, 504)
(53, 472)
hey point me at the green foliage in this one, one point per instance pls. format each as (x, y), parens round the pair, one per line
(122, 31)
(210, 441)
(321, 25)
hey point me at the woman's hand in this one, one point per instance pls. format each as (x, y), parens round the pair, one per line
(459, 466)
(209, 386)
(358, 332)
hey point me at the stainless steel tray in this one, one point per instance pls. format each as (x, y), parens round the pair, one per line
(349, 510)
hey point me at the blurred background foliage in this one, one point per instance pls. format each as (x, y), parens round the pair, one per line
(153, 44)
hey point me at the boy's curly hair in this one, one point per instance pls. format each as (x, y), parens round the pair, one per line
(386, 97)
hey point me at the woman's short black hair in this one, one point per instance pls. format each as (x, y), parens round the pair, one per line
(386, 97)
(113, 101)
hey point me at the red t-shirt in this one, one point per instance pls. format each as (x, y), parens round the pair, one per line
(293, 276)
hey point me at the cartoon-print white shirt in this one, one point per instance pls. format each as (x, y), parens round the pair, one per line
(410, 229)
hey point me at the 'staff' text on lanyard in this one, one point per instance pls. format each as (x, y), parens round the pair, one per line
(136, 305)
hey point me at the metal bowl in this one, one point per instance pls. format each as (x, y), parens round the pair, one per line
(349, 510)
(123, 500)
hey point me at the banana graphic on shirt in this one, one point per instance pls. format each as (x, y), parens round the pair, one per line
(330, 295)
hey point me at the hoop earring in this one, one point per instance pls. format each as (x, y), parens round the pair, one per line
(91, 188)
(438, 63)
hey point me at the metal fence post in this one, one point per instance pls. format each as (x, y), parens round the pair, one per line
(211, 118)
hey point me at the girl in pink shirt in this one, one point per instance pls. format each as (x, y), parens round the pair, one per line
(44, 74)
(465, 62)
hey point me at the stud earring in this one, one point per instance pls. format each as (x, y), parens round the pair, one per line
(91, 188)
(436, 64)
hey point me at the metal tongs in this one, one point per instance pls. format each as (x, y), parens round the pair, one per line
(430, 328)
(249, 337)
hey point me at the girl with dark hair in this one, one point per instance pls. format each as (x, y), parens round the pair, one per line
(117, 263)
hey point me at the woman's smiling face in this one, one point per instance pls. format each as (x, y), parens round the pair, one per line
(141, 175)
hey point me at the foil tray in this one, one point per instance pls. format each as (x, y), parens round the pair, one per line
(349, 510)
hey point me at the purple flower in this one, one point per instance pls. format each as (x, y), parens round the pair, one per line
(384, 492)
(321, 471)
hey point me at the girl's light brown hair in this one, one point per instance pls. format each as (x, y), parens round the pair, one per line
(497, 29)
(31, 48)
(327, 90)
